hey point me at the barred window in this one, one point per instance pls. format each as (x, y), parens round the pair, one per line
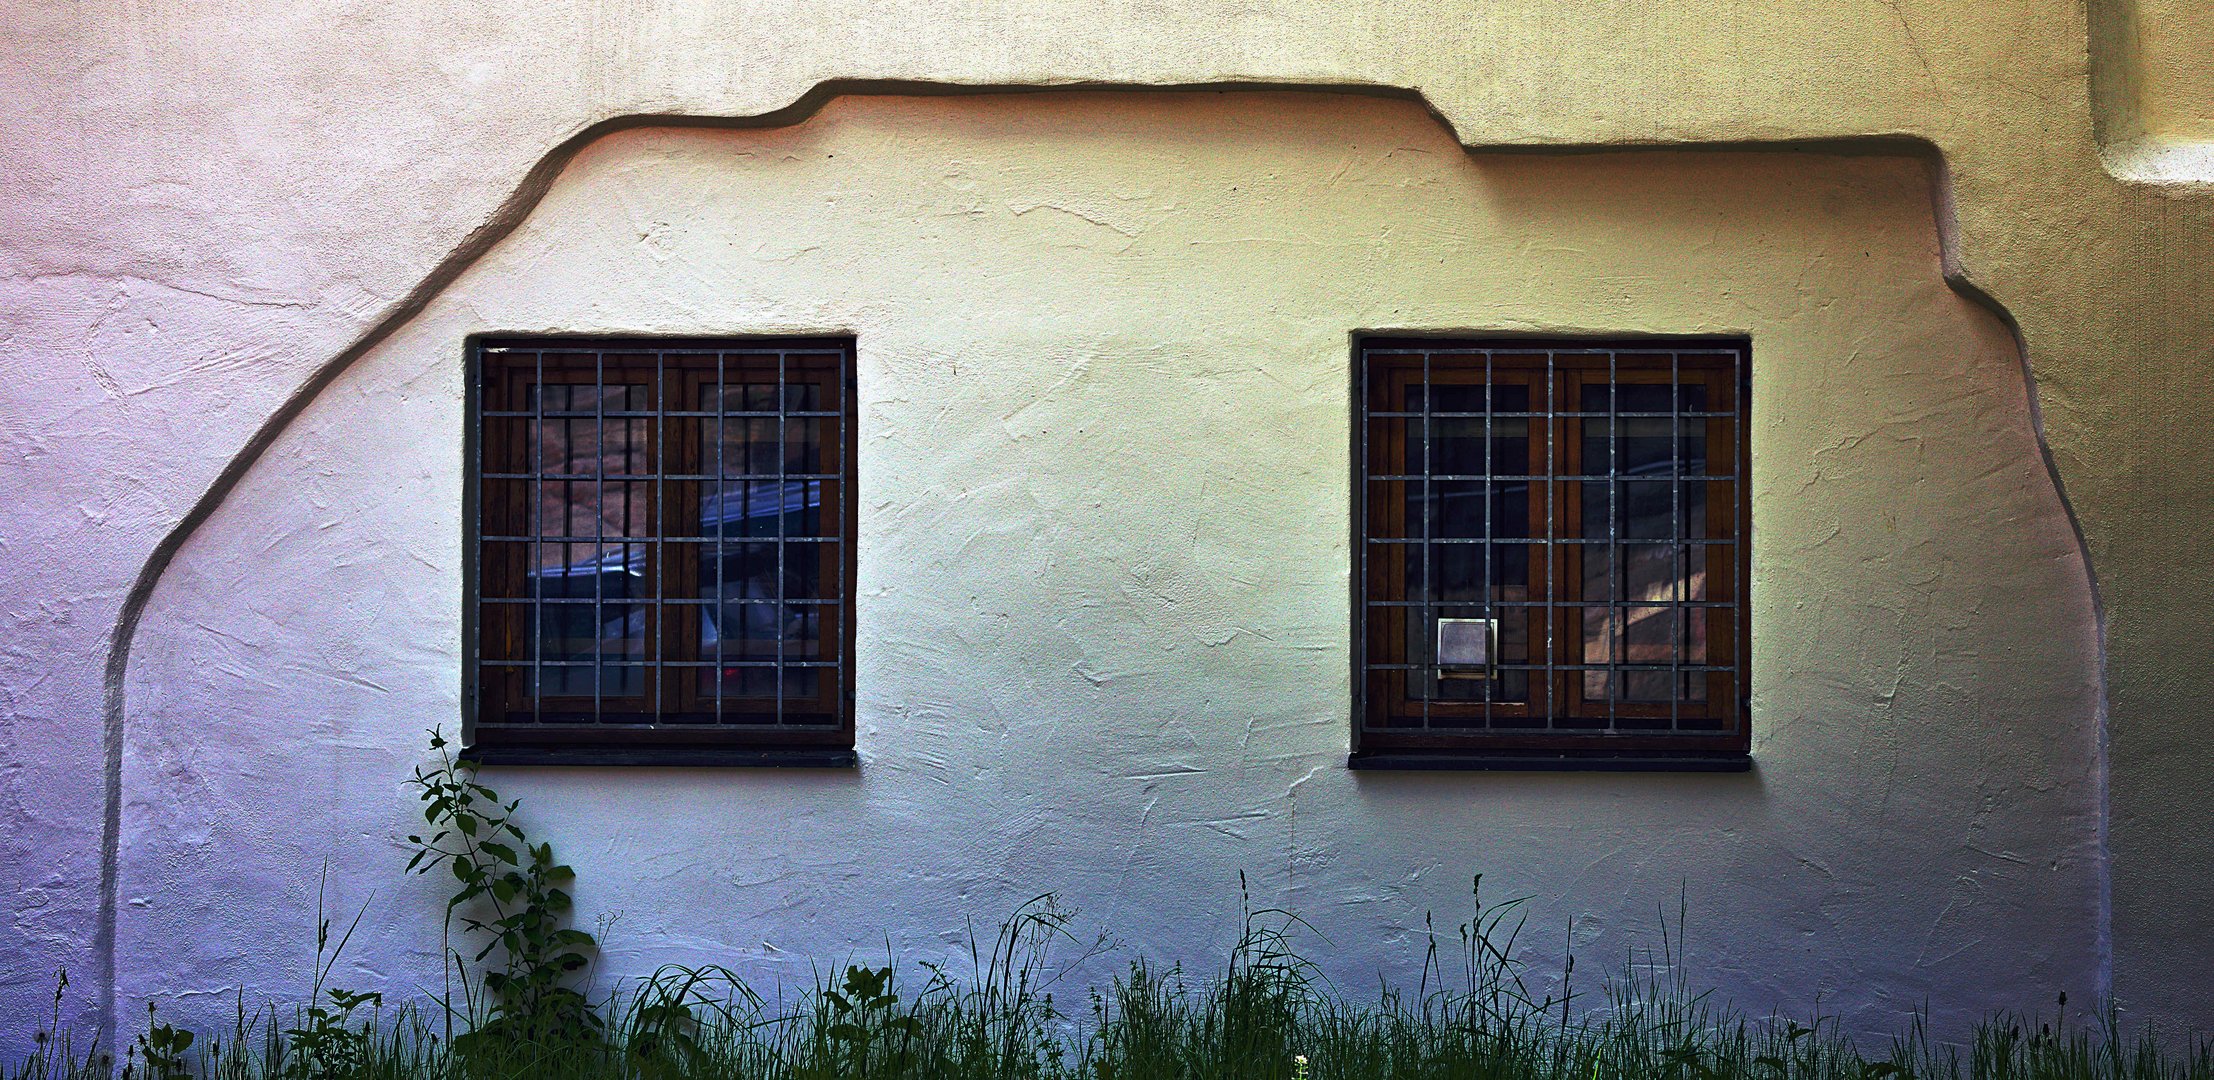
(1552, 561)
(664, 550)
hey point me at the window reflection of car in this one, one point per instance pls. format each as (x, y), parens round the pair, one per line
(740, 577)
(614, 628)
(749, 566)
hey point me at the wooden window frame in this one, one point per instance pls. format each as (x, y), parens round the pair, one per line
(1552, 725)
(673, 718)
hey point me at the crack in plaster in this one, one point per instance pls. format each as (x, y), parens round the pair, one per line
(539, 180)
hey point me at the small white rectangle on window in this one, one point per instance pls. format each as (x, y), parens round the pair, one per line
(1465, 647)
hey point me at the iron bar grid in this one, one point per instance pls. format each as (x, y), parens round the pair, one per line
(623, 570)
(1612, 617)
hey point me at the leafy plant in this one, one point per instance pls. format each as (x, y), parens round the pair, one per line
(161, 1050)
(513, 893)
(324, 1043)
(867, 1032)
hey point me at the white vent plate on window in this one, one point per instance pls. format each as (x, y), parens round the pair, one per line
(1465, 647)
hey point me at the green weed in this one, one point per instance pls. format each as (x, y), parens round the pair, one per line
(510, 892)
(1265, 1013)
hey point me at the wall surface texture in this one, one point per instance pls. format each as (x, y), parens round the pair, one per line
(1103, 346)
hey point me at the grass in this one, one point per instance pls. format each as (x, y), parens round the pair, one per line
(1263, 1014)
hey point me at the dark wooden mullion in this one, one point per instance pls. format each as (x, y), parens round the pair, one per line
(1539, 622)
(1385, 629)
(680, 574)
(653, 683)
(1549, 459)
(1570, 581)
(830, 459)
(650, 681)
(522, 503)
(500, 627)
(837, 561)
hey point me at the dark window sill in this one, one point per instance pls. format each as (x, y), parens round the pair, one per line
(1404, 761)
(700, 757)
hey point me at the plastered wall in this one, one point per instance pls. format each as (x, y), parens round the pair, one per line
(1103, 343)
(205, 207)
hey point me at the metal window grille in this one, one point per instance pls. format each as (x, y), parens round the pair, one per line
(1552, 556)
(663, 542)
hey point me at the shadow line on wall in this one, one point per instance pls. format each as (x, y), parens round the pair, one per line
(540, 179)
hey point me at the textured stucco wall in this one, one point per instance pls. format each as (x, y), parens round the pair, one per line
(2174, 39)
(206, 205)
(1103, 607)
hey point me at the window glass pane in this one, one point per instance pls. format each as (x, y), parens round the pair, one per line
(746, 508)
(1489, 499)
(1652, 572)
(590, 613)
(763, 445)
(1636, 517)
(751, 625)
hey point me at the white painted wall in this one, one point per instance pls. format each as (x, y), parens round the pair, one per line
(1103, 608)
